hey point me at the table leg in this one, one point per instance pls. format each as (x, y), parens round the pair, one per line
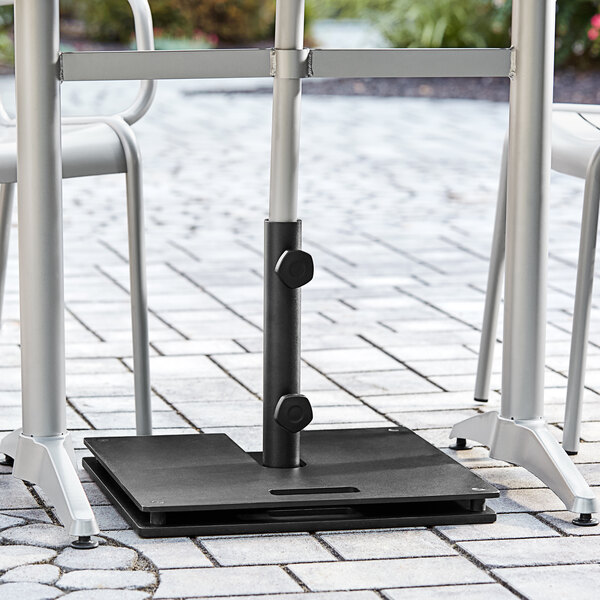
(43, 453)
(519, 433)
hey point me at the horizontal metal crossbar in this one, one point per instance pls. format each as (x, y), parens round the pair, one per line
(412, 62)
(164, 64)
(208, 64)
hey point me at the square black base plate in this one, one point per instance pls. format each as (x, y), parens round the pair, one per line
(352, 479)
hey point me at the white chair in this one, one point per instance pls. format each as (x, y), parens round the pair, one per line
(575, 151)
(99, 145)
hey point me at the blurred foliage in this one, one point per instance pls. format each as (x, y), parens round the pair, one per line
(443, 23)
(7, 54)
(404, 23)
(232, 21)
(573, 22)
(168, 42)
(462, 23)
(347, 9)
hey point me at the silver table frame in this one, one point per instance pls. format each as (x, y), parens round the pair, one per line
(42, 450)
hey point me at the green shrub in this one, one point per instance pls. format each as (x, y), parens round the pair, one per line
(572, 24)
(443, 23)
(7, 55)
(346, 9)
(573, 21)
(463, 23)
(198, 41)
(233, 21)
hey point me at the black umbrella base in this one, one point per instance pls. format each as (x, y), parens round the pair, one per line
(184, 485)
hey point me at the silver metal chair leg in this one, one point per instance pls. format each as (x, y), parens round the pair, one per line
(43, 454)
(7, 192)
(583, 302)
(137, 276)
(494, 289)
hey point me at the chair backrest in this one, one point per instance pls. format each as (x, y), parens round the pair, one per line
(144, 39)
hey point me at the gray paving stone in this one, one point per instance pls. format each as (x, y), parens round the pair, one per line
(16, 555)
(261, 550)
(105, 385)
(107, 595)
(431, 419)
(108, 518)
(50, 536)
(30, 514)
(377, 383)
(123, 420)
(351, 360)
(554, 583)
(333, 398)
(478, 456)
(47, 574)
(7, 521)
(14, 494)
(210, 389)
(589, 452)
(563, 520)
(480, 591)
(346, 414)
(89, 579)
(539, 551)
(226, 581)
(109, 404)
(401, 543)
(510, 477)
(181, 367)
(363, 595)
(165, 553)
(30, 591)
(106, 557)
(421, 402)
(526, 500)
(403, 572)
(225, 414)
(507, 526)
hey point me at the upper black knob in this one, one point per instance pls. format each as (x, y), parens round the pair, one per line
(293, 412)
(295, 268)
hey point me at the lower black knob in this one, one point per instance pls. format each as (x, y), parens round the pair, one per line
(293, 412)
(295, 268)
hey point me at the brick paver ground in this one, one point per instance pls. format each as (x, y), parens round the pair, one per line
(397, 198)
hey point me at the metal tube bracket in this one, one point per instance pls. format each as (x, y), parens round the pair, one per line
(291, 64)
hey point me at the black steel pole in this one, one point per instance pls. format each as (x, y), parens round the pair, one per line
(281, 351)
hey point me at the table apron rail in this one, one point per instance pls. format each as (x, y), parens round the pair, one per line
(286, 64)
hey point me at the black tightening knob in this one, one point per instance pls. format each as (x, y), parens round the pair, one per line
(293, 412)
(295, 268)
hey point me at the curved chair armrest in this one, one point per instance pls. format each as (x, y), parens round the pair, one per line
(144, 38)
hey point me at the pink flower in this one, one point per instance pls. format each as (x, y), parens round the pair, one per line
(593, 34)
(596, 21)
